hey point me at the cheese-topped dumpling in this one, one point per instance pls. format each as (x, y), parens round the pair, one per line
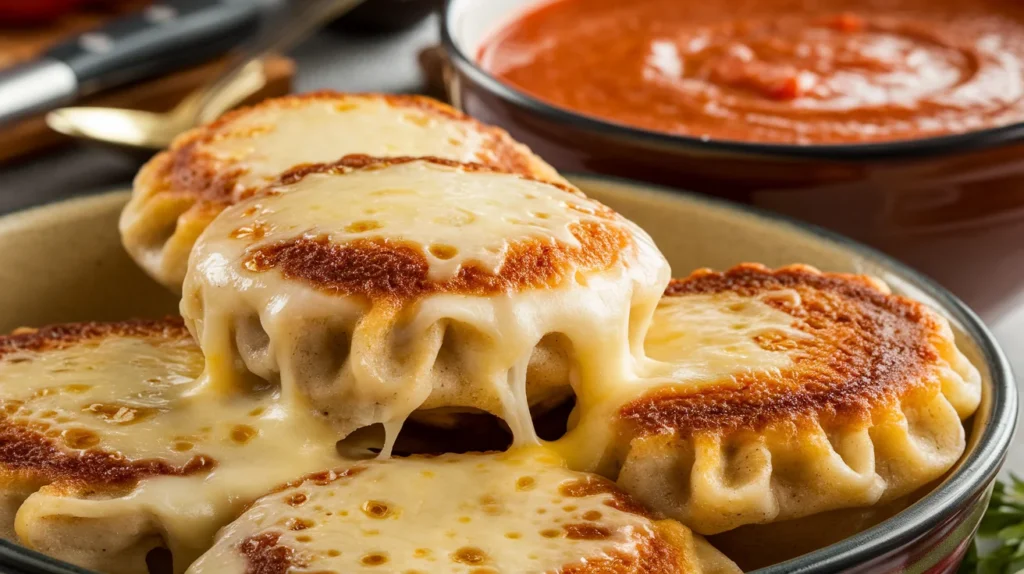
(784, 393)
(374, 288)
(105, 455)
(180, 190)
(520, 512)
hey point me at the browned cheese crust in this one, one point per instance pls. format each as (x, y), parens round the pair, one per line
(65, 335)
(657, 554)
(867, 350)
(32, 451)
(389, 269)
(185, 170)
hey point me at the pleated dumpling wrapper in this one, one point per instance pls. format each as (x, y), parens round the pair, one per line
(520, 511)
(104, 456)
(180, 190)
(370, 289)
(784, 393)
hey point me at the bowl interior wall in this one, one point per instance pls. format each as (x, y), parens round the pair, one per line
(65, 263)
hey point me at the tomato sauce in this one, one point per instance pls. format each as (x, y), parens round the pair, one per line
(779, 71)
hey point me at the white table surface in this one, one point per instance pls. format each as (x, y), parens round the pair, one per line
(332, 60)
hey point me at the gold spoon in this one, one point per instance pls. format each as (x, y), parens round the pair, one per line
(138, 130)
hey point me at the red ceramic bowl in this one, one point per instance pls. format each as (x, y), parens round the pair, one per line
(953, 207)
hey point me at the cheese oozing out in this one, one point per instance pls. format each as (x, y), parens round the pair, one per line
(370, 293)
(791, 392)
(520, 511)
(693, 341)
(132, 462)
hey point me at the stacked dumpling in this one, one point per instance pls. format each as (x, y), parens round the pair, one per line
(371, 288)
(350, 262)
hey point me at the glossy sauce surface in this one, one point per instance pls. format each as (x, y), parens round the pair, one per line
(781, 71)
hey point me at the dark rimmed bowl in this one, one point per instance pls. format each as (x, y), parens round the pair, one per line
(37, 268)
(952, 206)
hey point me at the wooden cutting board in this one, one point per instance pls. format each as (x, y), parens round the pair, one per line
(32, 135)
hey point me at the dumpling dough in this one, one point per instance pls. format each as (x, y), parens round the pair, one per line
(104, 456)
(208, 168)
(520, 511)
(372, 288)
(779, 394)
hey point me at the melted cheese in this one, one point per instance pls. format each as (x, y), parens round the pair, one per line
(707, 338)
(361, 362)
(507, 512)
(693, 340)
(268, 140)
(130, 395)
(453, 218)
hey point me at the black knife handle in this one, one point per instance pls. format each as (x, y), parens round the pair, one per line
(162, 37)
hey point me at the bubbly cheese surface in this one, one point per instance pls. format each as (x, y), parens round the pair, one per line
(115, 415)
(520, 511)
(452, 217)
(178, 192)
(269, 140)
(708, 337)
(370, 293)
(120, 392)
(693, 340)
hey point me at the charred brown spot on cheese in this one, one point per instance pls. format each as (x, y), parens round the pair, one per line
(374, 559)
(649, 553)
(866, 350)
(297, 499)
(388, 269)
(322, 478)
(362, 226)
(586, 532)
(587, 486)
(526, 483)
(469, 555)
(30, 451)
(593, 485)
(241, 434)
(300, 524)
(263, 554)
(79, 439)
(63, 336)
(379, 510)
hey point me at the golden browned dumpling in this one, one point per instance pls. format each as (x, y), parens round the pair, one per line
(374, 288)
(105, 456)
(779, 394)
(520, 512)
(180, 190)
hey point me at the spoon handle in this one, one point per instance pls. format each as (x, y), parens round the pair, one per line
(302, 19)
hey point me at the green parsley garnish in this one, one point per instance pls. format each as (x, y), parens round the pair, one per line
(1001, 534)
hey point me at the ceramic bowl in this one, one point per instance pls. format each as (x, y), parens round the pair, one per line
(64, 262)
(951, 206)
